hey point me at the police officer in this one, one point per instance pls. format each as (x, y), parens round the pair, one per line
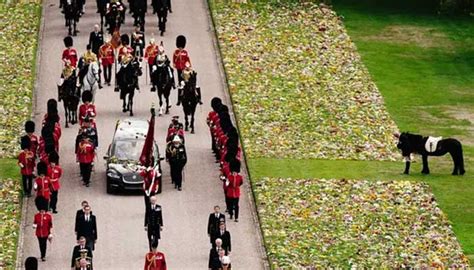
(154, 222)
(176, 156)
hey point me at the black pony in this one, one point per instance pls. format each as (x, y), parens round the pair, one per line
(127, 80)
(72, 13)
(189, 95)
(412, 143)
(69, 94)
(163, 80)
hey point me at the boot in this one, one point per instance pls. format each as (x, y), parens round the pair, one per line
(198, 91)
(180, 93)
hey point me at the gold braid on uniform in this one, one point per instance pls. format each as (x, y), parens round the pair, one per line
(151, 259)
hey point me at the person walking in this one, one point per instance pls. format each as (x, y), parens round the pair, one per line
(214, 220)
(233, 183)
(85, 156)
(54, 173)
(180, 57)
(224, 235)
(155, 260)
(214, 258)
(154, 222)
(26, 162)
(176, 157)
(31, 263)
(43, 224)
(161, 7)
(107, 58)
(80, 249)
(86, 226)
(42, 185)
(81, 211)
(34, 139)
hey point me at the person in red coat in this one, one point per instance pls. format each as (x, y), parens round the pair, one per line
(180, 56)
(87, 109)
(34, 140)
(155, 260)
(43, 224)
(42, 185)
(175, 128)
(69, 54)
(85, 156)
(107, 58)
(233, 183)
(211, 120)
(54, 173)
(26, 162)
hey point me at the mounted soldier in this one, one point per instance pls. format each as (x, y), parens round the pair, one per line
(162, 78)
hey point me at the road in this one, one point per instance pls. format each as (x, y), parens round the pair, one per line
(122, 241)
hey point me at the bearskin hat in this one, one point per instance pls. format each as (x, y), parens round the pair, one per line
(31, 263)
(125, 39)
(216, 103)
(223, 109)
(25, 142)
(234, 165)
(88, 47)
(41, 203)
(29, 126)
(41, 168)
(47, 133)
(53, 157)
(87, 96)
(181, 41)
(52, 106)
(68, 41)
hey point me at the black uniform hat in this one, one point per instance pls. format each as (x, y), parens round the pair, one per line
(53, 157)
(42, 203)
(29, 126)
(41, 168)
(68, 41)
(181, 41)
(216, 103)
(25, 142)
(31, 263)
(88, 47)
(52, 106)
(125, 39)
(86, 96)
(234, 165)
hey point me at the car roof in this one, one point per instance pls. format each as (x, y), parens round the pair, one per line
(131, 129)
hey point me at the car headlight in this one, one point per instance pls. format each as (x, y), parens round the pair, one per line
(113, 174)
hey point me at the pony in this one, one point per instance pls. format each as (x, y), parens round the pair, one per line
(127, 80)
(72, 13)
(429, 146)
(89, 77)
(189, 95)
(69, 94)
(162, 79)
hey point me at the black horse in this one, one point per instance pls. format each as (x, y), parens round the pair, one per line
(162, 79)
(412, 143)
(127, 80)
(189, 95)
(102, 9)
(69, 94)
(115, 17)
(72, 13)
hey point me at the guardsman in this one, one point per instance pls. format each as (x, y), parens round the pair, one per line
(87, 109)
(138, 42)
(154, 222)
(180, 56)
(69, 54)
(85, 156)
(212, 120)
(43, 224)
(107, 58)
(42, 185)
(26, 162)
(176, 157)
(34, 140)
(155, 260)
(125, 48)
(151, 186)
(189, 76)
(54, 173)
(151, 52)
(175, 128)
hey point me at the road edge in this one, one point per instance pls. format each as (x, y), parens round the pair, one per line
(229, 101)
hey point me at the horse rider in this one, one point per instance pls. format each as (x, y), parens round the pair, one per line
(176, 157)
(138, 42)
(189, 76)
(107, 58)
(151, 52)
(180, 56)
(69, 56)
(87, 58)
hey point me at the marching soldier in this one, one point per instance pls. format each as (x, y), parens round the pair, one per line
(138, 42)
(43, 224)
(154, 222)
(87, 109)
(176, 157)
(54, 173)
(34, 140)
(151, 52)
(42, 185)
(69, 54)
(155, 260)
(107, 57)
(85, 156)
(175, 128)
(125, 48)
(26, 161)
(180, 56)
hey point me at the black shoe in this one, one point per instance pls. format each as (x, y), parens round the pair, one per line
(170, 10)
(179, 189)
(43, 259)
(161, 33)
(87, 185)
(175, 187)
(236, 220)
(231, 217)
(55, 212)
(100, 87)
(177, 104)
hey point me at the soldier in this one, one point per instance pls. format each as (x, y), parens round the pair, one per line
(176, 157)
(42, 185)
(138, 42)
(161, 7)
(81, 251)
(180, 56)
(54, 173)
(26, 161)
(69, 54)
(155, 260)
(34, 141)
(87, 109)
(175, 128)
(43, 224)
(107, 57)
(189, 76)
(125, 48)
(151, 52)
(154, 222)
(85, 156)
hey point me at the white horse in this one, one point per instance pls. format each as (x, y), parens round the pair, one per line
(91, 79)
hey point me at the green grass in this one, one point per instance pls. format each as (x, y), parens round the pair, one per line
(9, 168)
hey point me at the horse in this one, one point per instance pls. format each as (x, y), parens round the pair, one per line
(72, 13)
(89, 77)
(115, 17)
(127, 80)
(69, 94)
(189, 95)
(162, 79)
(429, 146)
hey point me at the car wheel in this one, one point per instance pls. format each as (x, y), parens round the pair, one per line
(110, 189)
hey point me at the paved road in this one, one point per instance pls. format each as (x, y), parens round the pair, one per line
(122, 241)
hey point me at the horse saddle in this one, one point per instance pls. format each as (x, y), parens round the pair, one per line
(432, 143)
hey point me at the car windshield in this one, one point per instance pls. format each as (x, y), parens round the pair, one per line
(128, 149)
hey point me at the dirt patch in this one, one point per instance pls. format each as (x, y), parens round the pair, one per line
(424, 37)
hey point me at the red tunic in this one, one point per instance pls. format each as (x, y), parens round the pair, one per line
(155, 261)
(147, 179)
(233, 187)
(106, 54)
(124, 50)
(70, 54)
(211, 118)
(26, 161)
(42, 186)
(34, 143)
(86, 152)
(54, 173)
(151, 52)
(44, 223)
(86, 110)
(180, 57)
(172, 131)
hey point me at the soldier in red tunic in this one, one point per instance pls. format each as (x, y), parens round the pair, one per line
(85, 156)
(87, 109)
(69, 54)
(54, 173)
(212, 119)
(125, 48)
(26, 161)
(107, 58)
(43, 224)
(232, 185)
(180, 56)
(42, 185)
(155, 260)
(151, 51)
(175, 128)
(34, 141)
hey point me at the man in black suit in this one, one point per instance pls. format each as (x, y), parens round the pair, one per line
(214, 261)
(96, 39)
(214, 220)
(86, 226)
(223, 234)
(76, 252)
(154, 222)
(80, 212)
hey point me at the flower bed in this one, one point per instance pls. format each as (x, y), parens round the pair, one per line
(347, 223)
(10, 197)
(18, 41)
(298, 84)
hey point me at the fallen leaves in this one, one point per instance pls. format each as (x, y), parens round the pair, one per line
(319, 223)
(299, 85)
(18, 40)
(10, 212)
